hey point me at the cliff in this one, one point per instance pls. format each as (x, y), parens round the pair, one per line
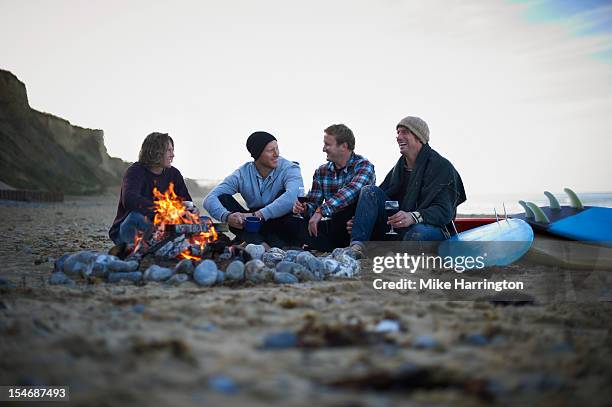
(44, 152)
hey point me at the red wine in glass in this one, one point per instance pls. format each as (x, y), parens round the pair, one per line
(391, 207)
(302, 198)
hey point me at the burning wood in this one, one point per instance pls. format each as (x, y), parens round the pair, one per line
(177, 232)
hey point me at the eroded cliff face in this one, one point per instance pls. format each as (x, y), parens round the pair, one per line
(42, 151)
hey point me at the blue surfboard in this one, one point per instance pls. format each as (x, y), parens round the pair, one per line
(498, 244)
(592, 224)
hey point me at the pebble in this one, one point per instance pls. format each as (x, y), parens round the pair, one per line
(206, 273)
(425, 342)
(223, 384)
(184, 266)
(387, 325)
(133, 276)
(123, 266)
(476, 339)
(60, 278)
(157, 273)
(220, 277)
(271, 259)
(235, 271)
(290, 255)
(138, 308)
(316, 265)
(344, 272)
(256, 251)
(253, 266)
(80, 263)
(304, 274)
(331, 266)
(285, 278)
(277, 250)
(280, 340)
(303, 258)
(288, 267)
(178, 279)
(59, 263)
(27, 249)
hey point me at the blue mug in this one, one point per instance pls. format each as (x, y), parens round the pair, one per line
(252, 224)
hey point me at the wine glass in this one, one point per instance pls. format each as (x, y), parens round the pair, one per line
(302, 198)
(391, 207)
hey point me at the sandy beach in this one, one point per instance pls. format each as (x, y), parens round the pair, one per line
(153, 344)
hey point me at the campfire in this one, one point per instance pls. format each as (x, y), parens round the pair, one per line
(177, 232)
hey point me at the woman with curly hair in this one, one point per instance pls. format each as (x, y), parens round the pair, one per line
(153, 169)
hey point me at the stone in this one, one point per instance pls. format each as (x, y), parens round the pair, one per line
(220, 277)
(206, 273)
(425, 342)
(280, 340)
(138, 308)
(223, 384)
(290, 255)
(278, 251)
(285, 278)
(256, 251)
(344, 271)
(253, 266)
(271, 259)
(58, 266)
(303, 258)
(266, 275)
(60, 278)
(133, 276)
(184, 266)
(80, 263)
(123, 266)
(316, 265)
(288, 267)
(178, 279)
(331, 266)
(157, 273)
(476, 339)
(235, 271)
(303, 274)
(387, 325)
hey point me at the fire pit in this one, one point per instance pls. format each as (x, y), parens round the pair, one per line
(181, 246)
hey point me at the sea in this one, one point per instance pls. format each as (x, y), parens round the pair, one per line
(488, 204)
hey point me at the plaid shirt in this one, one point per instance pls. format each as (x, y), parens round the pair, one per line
(339, 187)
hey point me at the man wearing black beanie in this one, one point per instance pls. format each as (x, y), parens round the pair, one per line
(269, 186)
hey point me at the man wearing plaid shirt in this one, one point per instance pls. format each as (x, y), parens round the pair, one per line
(335, 190)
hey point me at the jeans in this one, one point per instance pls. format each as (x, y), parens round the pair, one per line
(277, 232)
(331, 233)
(133, 223)
(371, 221)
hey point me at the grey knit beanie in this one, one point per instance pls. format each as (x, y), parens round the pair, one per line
(417, 126)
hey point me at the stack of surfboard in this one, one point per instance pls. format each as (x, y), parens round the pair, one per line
(574, 236)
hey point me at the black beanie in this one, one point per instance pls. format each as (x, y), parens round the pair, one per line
(257, 142)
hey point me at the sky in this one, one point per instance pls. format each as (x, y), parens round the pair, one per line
(517, 94)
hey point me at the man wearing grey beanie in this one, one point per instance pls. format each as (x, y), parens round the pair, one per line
(269, 185)
(426, 185)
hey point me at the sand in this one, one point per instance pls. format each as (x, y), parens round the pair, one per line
(121, 344)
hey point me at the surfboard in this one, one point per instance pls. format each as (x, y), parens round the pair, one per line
(498, 244)
(592, 224)
(568, 254)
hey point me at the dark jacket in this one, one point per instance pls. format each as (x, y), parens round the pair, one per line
(434, 188)
(137, 192)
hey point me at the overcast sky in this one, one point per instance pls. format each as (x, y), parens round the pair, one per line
(517, 94)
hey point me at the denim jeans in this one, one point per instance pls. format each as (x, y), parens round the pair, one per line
(133, 223)
(370, 221)
(279, 232)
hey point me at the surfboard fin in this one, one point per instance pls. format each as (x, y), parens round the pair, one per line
(575, 202)
(528, 212)
(553, 203)
(540, 216)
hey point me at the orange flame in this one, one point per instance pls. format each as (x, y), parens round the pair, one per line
(169, 210)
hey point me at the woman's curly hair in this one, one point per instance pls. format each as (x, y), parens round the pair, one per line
(153, 149)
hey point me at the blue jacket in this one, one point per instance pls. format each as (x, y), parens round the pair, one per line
(275, 195)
